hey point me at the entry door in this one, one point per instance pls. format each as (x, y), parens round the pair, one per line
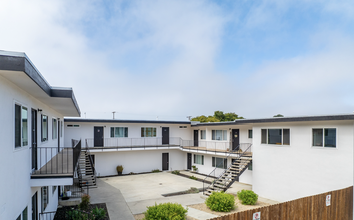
(164, 161)
(195, 138)
(235, 139)
(34, 207)
(98, 136)
(189, 161)
(165, 135)
(34, 138)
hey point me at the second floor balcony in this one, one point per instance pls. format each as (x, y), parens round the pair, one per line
(49, 163)
(126, 144)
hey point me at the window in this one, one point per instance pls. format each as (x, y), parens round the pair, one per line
(54, 128)
(44, 128)
(219, 162)
(119, 132)
(182, 126)
(23, 215)
(219, 135)
(203, 134)
(275, 136)
(250, 134)
(250, 166)
(73, 126)
(199, 159)
(148, 132)
(329, 137)
(21, 126)
(44, 197)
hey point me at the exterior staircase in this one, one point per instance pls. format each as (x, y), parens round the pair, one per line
(85, 171)
(231, 174)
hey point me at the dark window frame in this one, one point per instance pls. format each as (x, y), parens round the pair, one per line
(113, 133)
(250, 133)
(194, 159)
(21, 137)
(215, 164)
(324, 138)
(268, 137)
(44, 139)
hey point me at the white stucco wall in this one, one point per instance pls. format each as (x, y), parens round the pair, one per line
(138, 161)
(15, 166)
(289, 172)
(134, 130)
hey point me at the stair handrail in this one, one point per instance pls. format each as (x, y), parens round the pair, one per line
(217, 166)
(90, 159)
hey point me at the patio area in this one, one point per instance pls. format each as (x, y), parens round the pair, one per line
(129, 195)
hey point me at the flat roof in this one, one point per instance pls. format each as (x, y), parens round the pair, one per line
(19, 69)
(281, 119)
(124, 121)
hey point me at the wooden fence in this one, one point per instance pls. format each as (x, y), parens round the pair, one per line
(308, 208)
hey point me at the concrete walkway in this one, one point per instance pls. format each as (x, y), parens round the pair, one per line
(116, 204)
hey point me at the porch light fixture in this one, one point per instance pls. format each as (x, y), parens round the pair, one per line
(39, 110)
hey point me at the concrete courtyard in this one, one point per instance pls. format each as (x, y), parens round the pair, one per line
(131, 194)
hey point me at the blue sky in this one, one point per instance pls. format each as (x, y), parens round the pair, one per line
(172, 59)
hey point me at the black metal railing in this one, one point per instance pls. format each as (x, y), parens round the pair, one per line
(76, 153)
(47, 215)
(50, 161)
(75, 190)
(91, 163)
(218, 147)
(54, 160)
(132, 142)
(221, 168)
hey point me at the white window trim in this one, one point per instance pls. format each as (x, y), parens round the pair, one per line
(15, 102)
(282, 138)
(56, 128)
(323, 147)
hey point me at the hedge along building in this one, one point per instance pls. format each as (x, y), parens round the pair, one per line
(31, 134)
(292, 157)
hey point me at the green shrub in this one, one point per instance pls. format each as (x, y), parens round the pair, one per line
(85, 202)
(193, 178)
(166, 211)
(193, 190)
(195, 168)
(155, 171)
(76, 215)
(98, 213)
(175, 172)
(247, 197)
(220, 202)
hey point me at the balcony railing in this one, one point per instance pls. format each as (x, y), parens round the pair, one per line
(55, 161)
(156, 142)
(132, 142)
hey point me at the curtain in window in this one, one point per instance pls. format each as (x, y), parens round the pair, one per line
(317, 137)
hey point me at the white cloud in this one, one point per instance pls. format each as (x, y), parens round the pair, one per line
(147, 59)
